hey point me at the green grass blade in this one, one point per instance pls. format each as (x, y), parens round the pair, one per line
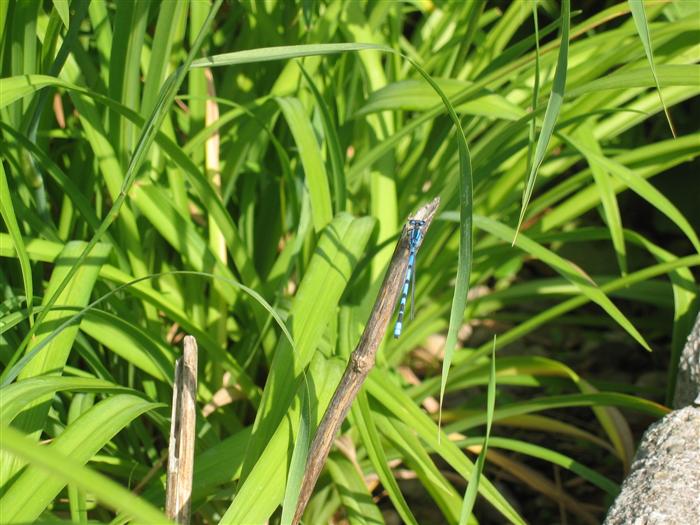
(568, 400)
(69, 470)
(355, 497)
(417, 459)
(310, 154)
(169, 14)
(335, 153)
(643, 188)
(131, 342)
(67, 186)
(7, 212)
(250, 505)
(265, 54)
(16, 396)
(29, 495)
(364, 422)
(668, 74)
(245, 382)
(654, 160)
(298, 460)
(101, 20)
(62, 8)
(464, 258)
(47, 251)
(76, 295)
(553, 457)
(415, 95)
(607, 196)
(640, 22)
(551, 114)
(130, 21)
(17, 87)
(473, 487)
(535, 90)
(565, 269)
(393, 399)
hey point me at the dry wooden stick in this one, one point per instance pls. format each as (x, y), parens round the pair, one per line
(182, 433)
(361, 360)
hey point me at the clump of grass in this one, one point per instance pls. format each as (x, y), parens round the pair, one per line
(240, 171)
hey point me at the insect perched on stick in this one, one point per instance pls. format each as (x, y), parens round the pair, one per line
(362, 359)
(415, 234)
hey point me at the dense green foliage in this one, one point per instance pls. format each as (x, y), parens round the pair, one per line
(168, 169)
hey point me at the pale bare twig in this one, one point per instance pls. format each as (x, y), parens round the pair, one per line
(182, 435)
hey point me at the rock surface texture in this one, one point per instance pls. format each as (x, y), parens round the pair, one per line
(663, 486)
(688, 382)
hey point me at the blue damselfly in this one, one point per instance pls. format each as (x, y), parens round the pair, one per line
(415, 234)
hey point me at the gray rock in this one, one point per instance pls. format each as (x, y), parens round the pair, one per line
(663, 487)
(688, 381)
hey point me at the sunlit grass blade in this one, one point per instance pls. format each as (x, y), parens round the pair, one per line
(415, 95)
(567, 270)
(551, 114)
(74, 296)
(65, 183)
(16, 396)
(29, 494)
(335, 152)
(353, 492)
(473, 486)
(568, 400)
(640, 22)
(250, 505)
(63, 467)
(464, 258)
(364, 422)
(643, 188)
(8, 216)
(336, 254)
(668, 74)
(416, 458)
(393, 399)
(265, 54)
(131, 342)
(607, 197)
(164, 38)
(130, 19)
(653, 160)
(22, 363)
(552, 456)
(48, 252)
(298, 459)
(16, 87)
(310, 154)
(535, 89)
